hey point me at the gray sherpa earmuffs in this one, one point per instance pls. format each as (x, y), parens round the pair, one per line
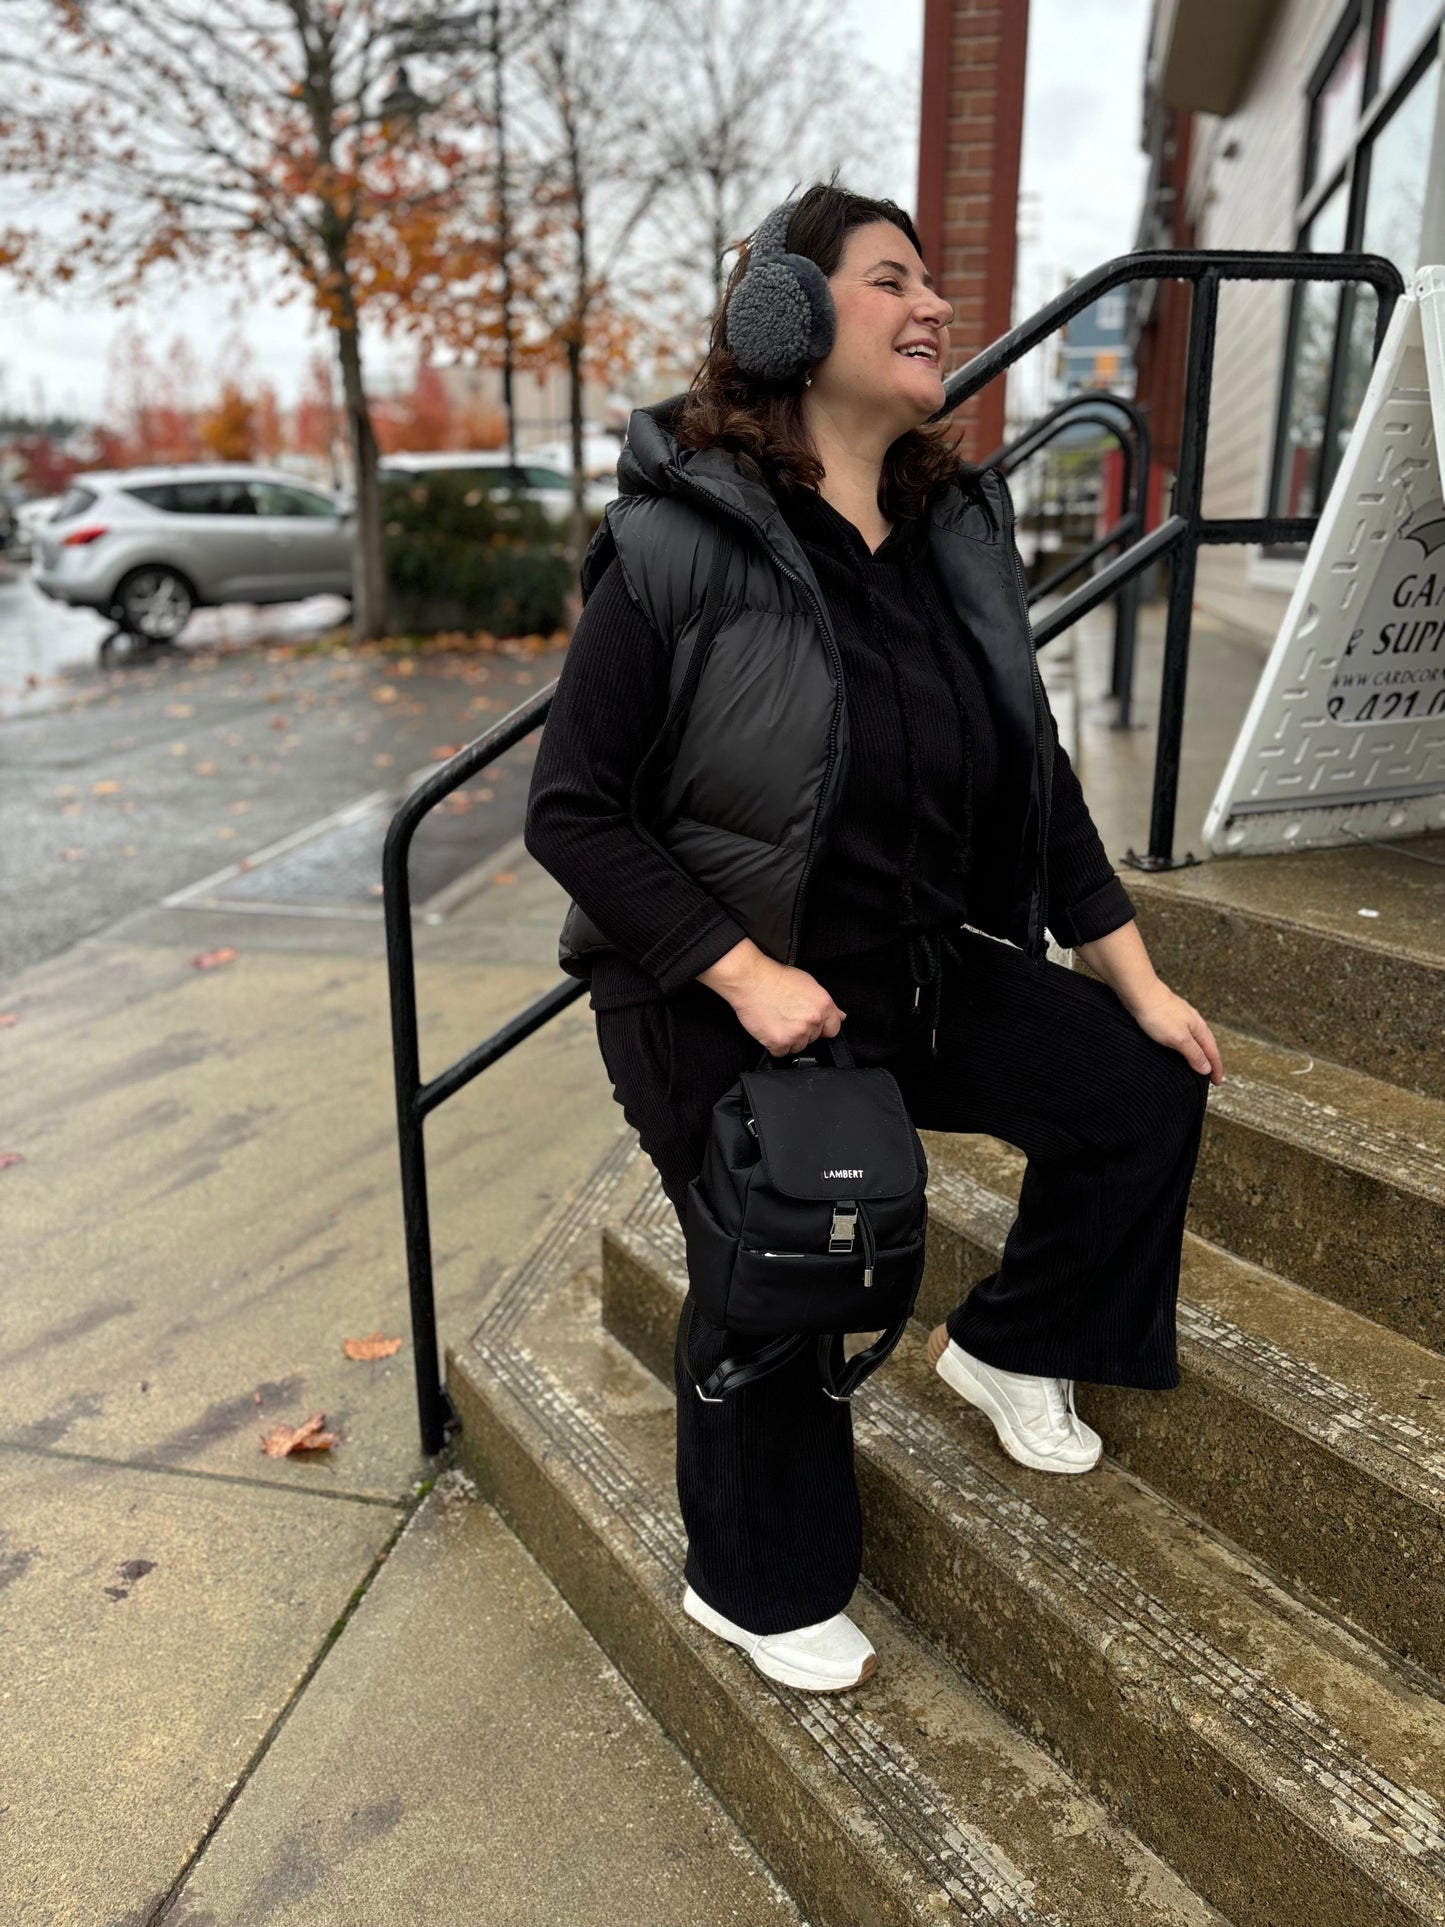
(780, 316)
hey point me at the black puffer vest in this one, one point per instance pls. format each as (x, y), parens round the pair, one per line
(741, 783)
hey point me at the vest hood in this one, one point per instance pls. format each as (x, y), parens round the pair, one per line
(652, 456)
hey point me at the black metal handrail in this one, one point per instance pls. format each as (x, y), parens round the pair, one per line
(1179, 538)
(1097, 407)
(414, 1100)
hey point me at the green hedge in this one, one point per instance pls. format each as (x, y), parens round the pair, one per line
(458, 558)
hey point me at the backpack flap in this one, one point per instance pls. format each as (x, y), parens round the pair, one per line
(826, 1133)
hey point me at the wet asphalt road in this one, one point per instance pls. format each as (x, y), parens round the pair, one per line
(119, 786)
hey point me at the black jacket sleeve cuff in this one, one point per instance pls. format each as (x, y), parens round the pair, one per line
(1095, 915)
(691, 946)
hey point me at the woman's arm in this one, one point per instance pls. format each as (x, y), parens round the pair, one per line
(609, 704)
(1090, 912)
(1086, 898)
(1122, 961)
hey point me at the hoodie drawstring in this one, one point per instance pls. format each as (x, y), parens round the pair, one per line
(925, 960)
(925, 947)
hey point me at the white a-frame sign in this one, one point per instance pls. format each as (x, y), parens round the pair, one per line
(1345, 736)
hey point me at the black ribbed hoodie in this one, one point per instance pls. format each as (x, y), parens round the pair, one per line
(902, 856)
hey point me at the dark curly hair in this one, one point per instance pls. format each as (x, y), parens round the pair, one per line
(762, 422)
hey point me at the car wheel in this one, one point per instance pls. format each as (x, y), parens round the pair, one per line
(154, 602)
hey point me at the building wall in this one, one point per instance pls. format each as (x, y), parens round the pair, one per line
(970, 141)
(1248, 201)
(542, 399)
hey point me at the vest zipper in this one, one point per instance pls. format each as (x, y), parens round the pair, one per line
(789, 571)
(1042, 748)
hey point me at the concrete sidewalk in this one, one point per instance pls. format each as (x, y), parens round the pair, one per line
(250, 1689)
(244, 1689)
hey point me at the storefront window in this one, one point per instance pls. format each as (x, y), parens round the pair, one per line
(1397, 159)
(1337, 108)
(1398, 27)
(1316, 317)
(1376, 207)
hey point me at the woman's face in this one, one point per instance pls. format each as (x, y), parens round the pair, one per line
(885, 303)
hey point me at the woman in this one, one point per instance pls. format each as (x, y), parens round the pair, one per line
(800, 768)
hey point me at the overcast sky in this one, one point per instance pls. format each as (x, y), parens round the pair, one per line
(1083, 174)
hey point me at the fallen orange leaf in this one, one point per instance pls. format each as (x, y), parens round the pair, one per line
(443, 750)
(504, 876)
(208, 959)
(8, 1017)
(372, 1346)
(306, 1437)
(107, 786)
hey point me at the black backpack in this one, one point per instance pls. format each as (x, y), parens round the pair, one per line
(808, 1217)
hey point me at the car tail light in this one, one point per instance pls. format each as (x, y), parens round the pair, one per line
(78, 538)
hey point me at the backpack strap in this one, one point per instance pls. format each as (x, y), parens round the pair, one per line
(841, 1384)
(730, 1374)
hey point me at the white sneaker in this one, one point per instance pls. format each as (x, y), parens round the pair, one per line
(1034, 1417)
(827, 1657)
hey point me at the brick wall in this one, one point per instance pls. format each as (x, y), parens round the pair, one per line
(968, 177)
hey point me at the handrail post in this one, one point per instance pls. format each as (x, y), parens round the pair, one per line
(1188, 499)
(435, 1411)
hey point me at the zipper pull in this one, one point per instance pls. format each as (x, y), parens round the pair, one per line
(869, 1249)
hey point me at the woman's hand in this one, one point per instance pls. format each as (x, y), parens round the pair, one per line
(1122, 961)
(778, 1004)
(1163, 1014)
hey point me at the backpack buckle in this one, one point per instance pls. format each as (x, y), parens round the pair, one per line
(845, 1222)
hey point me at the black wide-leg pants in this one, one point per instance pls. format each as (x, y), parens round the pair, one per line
(1041, 1056)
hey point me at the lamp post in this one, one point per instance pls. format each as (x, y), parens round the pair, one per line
(402, 102)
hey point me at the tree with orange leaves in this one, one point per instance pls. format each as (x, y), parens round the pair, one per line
(228, 431)
(213, 139)
(150, 402)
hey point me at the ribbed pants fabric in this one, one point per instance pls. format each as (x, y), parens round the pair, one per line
(1036, 1054)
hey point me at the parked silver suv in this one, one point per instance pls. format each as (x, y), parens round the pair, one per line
(147, 545)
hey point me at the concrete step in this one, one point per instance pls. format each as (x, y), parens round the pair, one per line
(1329, 1177)
(908, 1801)
(1282, 1765)
(1276, 946)
(1281, 1392)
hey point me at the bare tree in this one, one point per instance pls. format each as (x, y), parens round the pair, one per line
(764, 96)
(599, 166)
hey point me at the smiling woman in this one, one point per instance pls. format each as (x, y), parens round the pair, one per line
(800, 770)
